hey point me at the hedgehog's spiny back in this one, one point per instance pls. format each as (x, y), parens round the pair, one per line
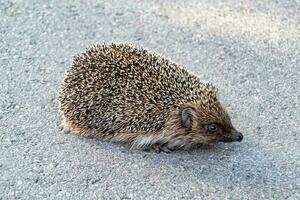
(123, 88)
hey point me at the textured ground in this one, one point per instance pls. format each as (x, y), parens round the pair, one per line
(250, 50)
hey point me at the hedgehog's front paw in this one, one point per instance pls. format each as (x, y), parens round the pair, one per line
(157, 148)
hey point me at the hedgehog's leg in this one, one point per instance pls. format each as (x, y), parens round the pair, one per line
(160, 148)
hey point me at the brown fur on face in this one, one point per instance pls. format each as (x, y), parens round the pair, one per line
(179, 134)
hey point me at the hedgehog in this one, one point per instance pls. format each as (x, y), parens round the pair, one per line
(125, 93)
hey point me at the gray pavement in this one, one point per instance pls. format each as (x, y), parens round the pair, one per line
(250, 50)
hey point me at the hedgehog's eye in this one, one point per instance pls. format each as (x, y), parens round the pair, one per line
(212, 128)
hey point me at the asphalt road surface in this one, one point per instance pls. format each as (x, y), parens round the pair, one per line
(249, 49)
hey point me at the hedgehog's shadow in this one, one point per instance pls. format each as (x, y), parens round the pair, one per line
(237, 162)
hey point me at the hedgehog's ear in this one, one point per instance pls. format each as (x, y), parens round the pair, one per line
(187, 117)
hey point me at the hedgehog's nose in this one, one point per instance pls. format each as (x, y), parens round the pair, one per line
(239, 137)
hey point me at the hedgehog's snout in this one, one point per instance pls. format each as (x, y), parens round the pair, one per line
(237, 136)
(233, 137)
